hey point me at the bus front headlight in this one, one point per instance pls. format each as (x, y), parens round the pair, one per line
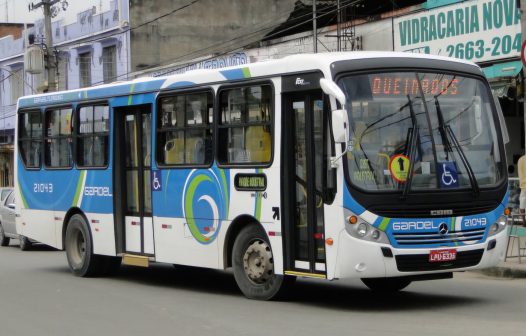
(365, 231)
(362, 229)
(498, 226)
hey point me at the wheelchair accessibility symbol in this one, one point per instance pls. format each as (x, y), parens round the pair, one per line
(156, 180)
(448, 176)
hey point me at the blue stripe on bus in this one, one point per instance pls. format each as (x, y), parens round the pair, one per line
(91, 93)
(429, 225)
(56, 189)
(235, 74)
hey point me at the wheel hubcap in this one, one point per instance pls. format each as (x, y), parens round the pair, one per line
(258, 262)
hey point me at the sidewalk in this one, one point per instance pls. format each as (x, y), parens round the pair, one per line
(511, 268)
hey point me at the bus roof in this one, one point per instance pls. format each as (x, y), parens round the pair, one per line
(288, 64)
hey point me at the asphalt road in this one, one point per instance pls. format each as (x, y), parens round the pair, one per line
(39, 296)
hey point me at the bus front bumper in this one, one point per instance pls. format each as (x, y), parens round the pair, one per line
(363, 259)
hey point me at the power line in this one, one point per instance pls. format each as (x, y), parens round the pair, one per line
(348, 3)
(140, 25)
(23, 77)
(244, 35)
(265, 26)
(345, 5)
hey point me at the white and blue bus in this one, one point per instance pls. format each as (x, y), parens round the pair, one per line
(386, 167)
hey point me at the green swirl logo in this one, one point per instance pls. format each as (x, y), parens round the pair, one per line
(205, 203)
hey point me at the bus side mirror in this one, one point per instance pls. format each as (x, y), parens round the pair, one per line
(340, 122)
(339, 117)
(340, 126)
(332, 89)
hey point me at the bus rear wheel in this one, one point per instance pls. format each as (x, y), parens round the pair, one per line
(386, 285)
(79, 251)
(253, 266)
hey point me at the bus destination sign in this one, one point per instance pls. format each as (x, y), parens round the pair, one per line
(250, 182)
(387, 85)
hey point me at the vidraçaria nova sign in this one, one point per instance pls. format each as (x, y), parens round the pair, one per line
(475, 30)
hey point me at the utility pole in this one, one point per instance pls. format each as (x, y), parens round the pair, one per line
(50, 54)
(314, 28)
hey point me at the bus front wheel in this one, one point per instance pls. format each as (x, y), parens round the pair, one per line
(253, 265)
(386, 285)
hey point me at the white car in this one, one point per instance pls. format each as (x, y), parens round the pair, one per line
(8, 224)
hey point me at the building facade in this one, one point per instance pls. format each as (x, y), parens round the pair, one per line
(136, 38)
(90, 51)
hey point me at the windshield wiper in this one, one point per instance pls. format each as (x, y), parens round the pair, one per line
(442, 129)
(446, 130)
(411, 150)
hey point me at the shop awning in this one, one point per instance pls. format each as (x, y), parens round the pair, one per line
(508, 69)
(500, 89)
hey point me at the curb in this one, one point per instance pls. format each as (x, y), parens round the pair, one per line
(503, 272)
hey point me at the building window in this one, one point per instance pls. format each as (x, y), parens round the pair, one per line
(58, 138)
(30, 138)
(85, 69)
(245, 125)
(184, 135)
(17, 84)
(93, 136)
(109, 64)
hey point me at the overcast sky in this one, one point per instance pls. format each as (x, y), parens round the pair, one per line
(16, 11)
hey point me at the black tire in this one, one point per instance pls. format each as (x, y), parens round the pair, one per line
(79, 250)
(25, 244)
(257, 281)
(4, 241)
(387, 285)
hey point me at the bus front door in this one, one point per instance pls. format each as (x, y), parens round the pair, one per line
(304, 168)
(133, 157)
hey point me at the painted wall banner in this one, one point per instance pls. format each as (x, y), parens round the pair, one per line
(237, 58)
(477, 31)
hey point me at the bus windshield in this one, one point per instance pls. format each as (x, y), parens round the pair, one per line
(421, 131)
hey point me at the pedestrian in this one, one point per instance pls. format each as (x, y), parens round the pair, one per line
(521, 169)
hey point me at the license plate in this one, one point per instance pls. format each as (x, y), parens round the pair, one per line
(442, 255)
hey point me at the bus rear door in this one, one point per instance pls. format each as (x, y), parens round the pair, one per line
(133, 194)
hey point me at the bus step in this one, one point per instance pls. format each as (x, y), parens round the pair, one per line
(306, 274)
(135, 260)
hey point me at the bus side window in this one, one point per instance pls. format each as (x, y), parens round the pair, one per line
(58, 138)
(30, 138)
(184, 133)
(93, 136)
(245, 125)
